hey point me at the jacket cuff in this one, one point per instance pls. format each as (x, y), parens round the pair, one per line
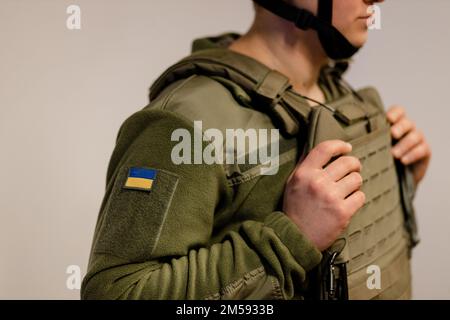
(301, 248)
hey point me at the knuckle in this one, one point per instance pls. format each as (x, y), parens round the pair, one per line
(409, 124)
(298, 176)
(415, 136)
(362, 197)
(342, 215)
(327, 147)
(340, 209)
(424, 149)
(323, 148)
(420, 135)
(403, 124)
(398, 108)
(316, 152)
(315, 186)
(393, 108)
(355, 163)
(351, 163)
(396, 130)
(347, 161)
(358, 178)
(397, 111)
(417, 150)
(331, 198)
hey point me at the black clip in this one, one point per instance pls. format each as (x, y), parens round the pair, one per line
(332, 275)
(337, 288)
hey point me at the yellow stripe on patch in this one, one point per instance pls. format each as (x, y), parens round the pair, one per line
(139, 183)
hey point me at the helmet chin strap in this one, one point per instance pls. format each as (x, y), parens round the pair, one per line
(336, 46)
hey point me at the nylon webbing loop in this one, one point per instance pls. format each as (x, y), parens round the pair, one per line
(270, 91)
(272, 87)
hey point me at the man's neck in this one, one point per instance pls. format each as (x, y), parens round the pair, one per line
(294, 55)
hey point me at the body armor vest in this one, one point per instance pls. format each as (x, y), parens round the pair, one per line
(380, 236)
(376, 240)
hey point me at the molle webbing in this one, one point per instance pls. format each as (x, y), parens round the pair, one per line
(376, 234)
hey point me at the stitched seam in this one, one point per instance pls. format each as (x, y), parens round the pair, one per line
(168, 98)
(164, 217)
(255, 171)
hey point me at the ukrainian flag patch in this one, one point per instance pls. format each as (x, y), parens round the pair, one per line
(140, 179)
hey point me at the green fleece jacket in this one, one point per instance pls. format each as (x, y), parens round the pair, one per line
(195, 231)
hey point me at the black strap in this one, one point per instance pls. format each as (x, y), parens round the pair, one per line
(302, 18)
(335, 44)
(325, 10)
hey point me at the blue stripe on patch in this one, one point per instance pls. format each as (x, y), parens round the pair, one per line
(142, 173)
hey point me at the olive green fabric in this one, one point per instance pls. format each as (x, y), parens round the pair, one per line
(188, 238)
(206, 231)
(376, 235)
(203, 231)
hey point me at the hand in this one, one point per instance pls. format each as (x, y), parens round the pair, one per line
(321, 201)
(412, 149)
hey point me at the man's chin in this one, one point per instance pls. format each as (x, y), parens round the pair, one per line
(359, 40)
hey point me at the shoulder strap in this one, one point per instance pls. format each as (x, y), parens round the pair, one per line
(269, 89)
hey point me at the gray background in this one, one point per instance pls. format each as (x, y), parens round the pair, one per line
(64, 94)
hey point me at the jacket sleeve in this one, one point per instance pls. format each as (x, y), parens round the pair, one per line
(157, 244)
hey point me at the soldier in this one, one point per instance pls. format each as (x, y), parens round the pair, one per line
(340, 201)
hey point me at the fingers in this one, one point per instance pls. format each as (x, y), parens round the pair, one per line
(419, 152)
(402, 127)
(355, 201)
(395, 113)
(341, 167)
(349, 184)
(411, 140)
(324, 152)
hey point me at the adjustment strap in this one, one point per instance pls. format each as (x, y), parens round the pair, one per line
(325, 10)
(272, 87)
(302, 18)
(270, 91)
